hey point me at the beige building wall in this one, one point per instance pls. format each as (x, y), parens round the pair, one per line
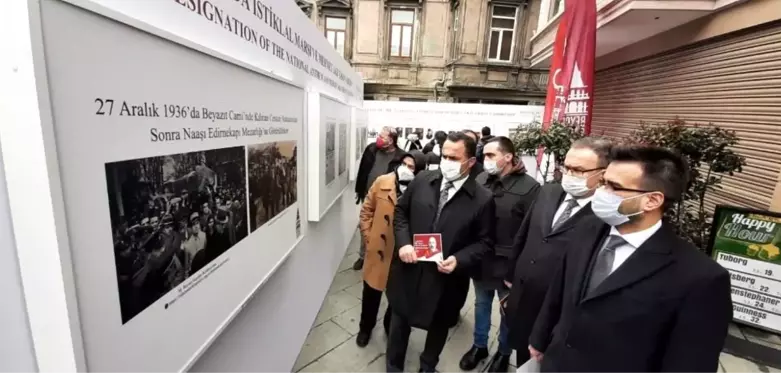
(723, 69)
(449, 58)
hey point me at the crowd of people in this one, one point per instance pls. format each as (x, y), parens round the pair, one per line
(588, 275)
(273, 182)
(172, 216)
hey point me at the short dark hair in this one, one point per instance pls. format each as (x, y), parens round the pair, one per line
(470, 145)
(486, 131)
(473, 133)
(599, 145)
(505, 144)
(440, 137)
(663, 169)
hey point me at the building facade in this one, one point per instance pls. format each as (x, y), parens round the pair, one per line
(704, 61)
(471, 51)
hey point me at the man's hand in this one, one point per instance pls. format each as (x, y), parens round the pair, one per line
(357, 199)
(508, 284)
(448, 265)
(536, 355)
(407, 254)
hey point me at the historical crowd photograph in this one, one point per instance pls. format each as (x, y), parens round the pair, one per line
(172, 215)
(273, 180)
(343, 147)
(330, 153)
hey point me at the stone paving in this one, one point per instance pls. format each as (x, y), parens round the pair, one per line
(330, 346)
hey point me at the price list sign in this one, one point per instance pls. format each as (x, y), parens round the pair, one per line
(746, 242)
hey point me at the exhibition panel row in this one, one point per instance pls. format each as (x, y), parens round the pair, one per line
(189, 157)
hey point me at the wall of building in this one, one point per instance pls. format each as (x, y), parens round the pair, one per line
(449, 51)
(268, 333)
(722, 69)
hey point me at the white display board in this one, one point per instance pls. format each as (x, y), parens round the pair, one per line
(166, 141)
(425, 118)
(359, 139)
(329, 128)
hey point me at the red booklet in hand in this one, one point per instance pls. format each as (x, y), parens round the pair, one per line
(428, 247)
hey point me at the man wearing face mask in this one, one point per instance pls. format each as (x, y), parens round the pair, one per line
(429, 295)
(514, 192)
(633, 296)
(547, 232)
(374, 163)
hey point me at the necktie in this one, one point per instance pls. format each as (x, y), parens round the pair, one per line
(604, 263)
(566, 214)
(443, 197)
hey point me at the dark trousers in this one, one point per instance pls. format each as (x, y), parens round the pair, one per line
(370, 305)
(399, 339)
(522, 356)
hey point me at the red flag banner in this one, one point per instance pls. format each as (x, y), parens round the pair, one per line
(570, 93)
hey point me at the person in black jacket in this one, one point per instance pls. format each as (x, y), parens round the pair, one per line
(514, 192)
(484, 138)
(429, 295)
(547, 232)
(374, 163)
(435, 145)
(631, 296)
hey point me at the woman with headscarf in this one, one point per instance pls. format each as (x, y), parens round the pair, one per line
(376, 224)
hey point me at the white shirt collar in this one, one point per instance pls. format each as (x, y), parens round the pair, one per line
(456, 184)
(582, 202)
(637, 239)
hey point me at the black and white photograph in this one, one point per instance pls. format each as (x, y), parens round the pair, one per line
(360, 142)
(343, 128)
(170, 216)
(330, 153)
(273, 180)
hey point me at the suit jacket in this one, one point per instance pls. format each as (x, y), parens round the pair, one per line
(537, 252)
(665, 309)
(419, 292)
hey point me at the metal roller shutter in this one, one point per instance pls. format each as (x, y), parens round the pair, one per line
(733, 81)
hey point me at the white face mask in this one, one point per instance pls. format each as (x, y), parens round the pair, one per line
(491, 167)
(606, 204)
(451, 170)
(575, 186)
(404, 173)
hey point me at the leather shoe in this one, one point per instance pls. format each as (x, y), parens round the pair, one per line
(499, 363)
(358, 265)
(362, 339)
(473, 357)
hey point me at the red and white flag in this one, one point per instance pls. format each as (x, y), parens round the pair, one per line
(570, 92)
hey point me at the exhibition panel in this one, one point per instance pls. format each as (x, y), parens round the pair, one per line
(185, 198)
(169, 161)
(329, 125)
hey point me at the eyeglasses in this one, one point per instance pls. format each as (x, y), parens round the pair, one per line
(569, 171)
(611, 187)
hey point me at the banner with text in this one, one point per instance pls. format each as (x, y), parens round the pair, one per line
(746, 242)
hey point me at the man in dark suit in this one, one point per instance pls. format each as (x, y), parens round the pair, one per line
(632, 296)
(429, 295)
(514, 192)
(547, 232)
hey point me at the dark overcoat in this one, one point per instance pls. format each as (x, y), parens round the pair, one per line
(418, 292)
(514, 195)
(537, 252)
(667, 308)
